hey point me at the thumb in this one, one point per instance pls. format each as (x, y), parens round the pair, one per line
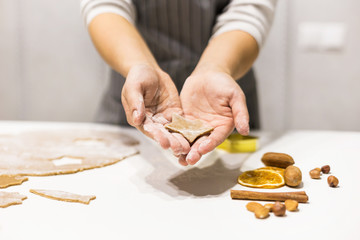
(133, 102)
(240, 113)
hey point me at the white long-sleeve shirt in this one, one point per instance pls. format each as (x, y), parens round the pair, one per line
(254, 17)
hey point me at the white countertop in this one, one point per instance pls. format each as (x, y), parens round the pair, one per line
(150, 196)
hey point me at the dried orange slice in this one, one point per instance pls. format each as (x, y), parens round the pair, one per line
(276, 169)
(267, 177)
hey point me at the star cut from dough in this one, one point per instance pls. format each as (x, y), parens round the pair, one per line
(11, 180)
(10, 198)
(190, 129)
(63, 196)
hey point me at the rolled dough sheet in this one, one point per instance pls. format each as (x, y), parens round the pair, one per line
(63, 196)
(38, 153)
(11, 180)
(190, 129)
(10, 198)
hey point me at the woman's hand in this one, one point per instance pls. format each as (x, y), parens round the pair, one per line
(150, 97)
(215, 98)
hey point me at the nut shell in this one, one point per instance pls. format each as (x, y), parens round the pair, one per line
(315, 173)
(293, 176)
(280, 160)
(325, 169)
(269, 206)
(291, 205)
(279, 209)
(261, 212)
(333, 181)
(252, 206)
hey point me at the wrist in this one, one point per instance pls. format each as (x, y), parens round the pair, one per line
(205, 68)
(131, 66)
(142, 64)
(146, 72)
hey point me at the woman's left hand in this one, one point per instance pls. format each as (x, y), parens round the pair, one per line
(215, 98)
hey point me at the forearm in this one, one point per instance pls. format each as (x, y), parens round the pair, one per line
(119, 43)
(232, 52)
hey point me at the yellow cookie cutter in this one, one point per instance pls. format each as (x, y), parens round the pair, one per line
(237, 143)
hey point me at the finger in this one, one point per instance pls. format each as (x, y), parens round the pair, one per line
(133, 102)
(178, 144)
(184, 144)
(175, 145)
(194, 156)
(240, 112)
(182, 160)
(217, 136)
(163, 137)
(154, 131)
(168, 113)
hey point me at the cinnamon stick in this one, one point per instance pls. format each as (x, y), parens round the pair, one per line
(301, 196)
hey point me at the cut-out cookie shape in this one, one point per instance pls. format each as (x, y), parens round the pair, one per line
(10, 198)
(11, 180)
(190, 129)
(44, 153)
(63, 196)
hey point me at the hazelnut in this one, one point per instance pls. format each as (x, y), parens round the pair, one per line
(292, 176)
(291, 205)
(315, 174)
(252, 206)
(325, 169)
(333, 181)
(279, 209)
(261, 212)
(269, 206)
(317, 169)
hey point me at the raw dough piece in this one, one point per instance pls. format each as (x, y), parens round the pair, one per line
(10, 198)
(190, 129)
(63, 196)
(38, 153)
(11, 180)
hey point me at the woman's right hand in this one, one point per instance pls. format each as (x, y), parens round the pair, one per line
(150, 97)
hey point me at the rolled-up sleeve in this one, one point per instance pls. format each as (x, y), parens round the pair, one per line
(254, 17)
(91, 8)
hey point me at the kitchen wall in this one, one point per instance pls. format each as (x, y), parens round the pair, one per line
(48, 67)
(325, 80)
(309, 69)
(271, 72)
(308, 78)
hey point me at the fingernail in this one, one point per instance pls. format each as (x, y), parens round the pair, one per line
(135, 115)
(189, 157)
(177, 152)
(244, 127)
(182, 160)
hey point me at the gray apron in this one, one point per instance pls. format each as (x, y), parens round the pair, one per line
(177, 32)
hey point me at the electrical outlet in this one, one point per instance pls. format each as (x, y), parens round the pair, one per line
(322, 37)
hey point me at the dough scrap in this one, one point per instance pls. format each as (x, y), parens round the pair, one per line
(190, 129)
(10, 198)
(11, 180)
(63, 196)
(35, 153)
